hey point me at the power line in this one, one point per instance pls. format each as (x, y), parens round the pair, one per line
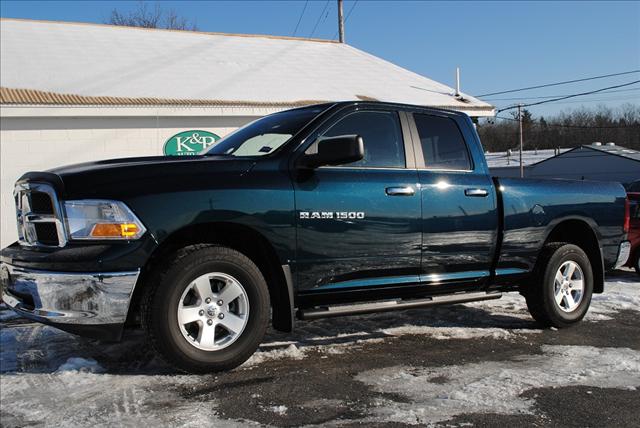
(559, 83)
(319, 18)
(300, 19)
(553, 96)
(557, 125)
(570, 96)
(347, 17)
(595, 100)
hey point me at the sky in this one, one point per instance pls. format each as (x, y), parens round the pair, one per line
(497, 45)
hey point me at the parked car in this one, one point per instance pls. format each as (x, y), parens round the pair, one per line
(329, 210)
(633, 193)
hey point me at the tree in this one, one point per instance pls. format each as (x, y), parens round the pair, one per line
(568, 129)
(147, 17)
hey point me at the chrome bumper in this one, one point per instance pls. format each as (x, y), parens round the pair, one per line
(68, 298)
(623, 254)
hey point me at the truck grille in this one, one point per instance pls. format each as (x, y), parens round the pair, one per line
(39, 216)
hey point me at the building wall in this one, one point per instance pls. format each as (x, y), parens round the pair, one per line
(40, 143)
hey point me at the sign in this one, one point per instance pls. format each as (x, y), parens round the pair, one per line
(189, 143)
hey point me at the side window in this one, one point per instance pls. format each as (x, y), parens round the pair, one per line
(443, 145)
(381, 134)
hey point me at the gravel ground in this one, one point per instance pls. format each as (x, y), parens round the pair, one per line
(477, 364)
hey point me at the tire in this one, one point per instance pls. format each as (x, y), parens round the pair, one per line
(636, 265)
(197, 332)
(560, 303)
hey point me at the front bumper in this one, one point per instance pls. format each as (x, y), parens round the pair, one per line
(89, 304)
(623, 254)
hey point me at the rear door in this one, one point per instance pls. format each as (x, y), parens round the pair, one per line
(358, 225)
(459, 210)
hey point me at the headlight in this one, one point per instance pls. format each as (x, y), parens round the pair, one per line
(97, 219)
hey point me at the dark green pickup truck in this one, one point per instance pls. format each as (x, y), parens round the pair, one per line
(328, 210)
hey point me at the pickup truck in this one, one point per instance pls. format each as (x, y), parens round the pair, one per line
(327, 210)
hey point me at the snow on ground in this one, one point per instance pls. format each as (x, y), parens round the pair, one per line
(72, 398)
(438, 394)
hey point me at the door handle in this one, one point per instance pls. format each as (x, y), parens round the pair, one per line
(400, 191)
(477, 192)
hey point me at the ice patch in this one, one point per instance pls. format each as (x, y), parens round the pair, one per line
(7, 314)
(279, 410)
(496, 386)
(76, 364)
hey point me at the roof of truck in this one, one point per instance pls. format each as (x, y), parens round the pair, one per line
(63, 63)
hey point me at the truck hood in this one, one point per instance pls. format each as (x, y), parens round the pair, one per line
(117, 178)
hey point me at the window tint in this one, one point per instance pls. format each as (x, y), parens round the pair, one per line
(443, 146)
(382, 136)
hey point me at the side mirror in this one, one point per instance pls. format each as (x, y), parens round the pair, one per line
(338, 150)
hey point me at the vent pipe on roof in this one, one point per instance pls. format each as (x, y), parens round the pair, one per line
(597, 143)
(457, 94)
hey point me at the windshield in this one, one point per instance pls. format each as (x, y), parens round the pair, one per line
(265, 135)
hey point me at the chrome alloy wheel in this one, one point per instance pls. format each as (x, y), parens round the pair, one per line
(213, 311)
(569, 286)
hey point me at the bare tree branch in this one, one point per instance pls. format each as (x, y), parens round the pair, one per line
(150, 17)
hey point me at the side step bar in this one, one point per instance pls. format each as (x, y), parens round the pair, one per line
(392, 305)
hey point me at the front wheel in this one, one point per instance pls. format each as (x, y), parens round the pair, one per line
(561, 291)
(207, 310)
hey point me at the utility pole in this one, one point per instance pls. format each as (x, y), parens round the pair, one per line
(521, 139)
(340, 22)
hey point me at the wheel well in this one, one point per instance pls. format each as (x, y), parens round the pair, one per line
(578, 232)
(240, 238)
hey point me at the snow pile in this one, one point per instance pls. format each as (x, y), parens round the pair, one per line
(76, 364)
(496, 386)
(444, 333)
(617, 296)
(292, 352)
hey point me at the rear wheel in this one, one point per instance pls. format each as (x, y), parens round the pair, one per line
(208, 310)
(561, 292)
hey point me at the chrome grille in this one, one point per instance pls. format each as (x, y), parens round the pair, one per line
(39, 215)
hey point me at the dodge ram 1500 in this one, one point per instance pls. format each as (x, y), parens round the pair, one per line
(327, 210)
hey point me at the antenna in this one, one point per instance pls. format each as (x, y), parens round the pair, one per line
(340, 22)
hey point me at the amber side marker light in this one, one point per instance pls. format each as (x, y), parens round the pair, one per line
(114, 230)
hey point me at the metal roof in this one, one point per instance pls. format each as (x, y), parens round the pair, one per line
(616, 150)
(61, 63)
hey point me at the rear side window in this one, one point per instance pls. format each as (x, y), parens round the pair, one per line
(442, 143)
(381, 134)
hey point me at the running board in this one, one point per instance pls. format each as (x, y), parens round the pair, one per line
(392, 305)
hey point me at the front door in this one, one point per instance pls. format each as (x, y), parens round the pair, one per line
(358, 225)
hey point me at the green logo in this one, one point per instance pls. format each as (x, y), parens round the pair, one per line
(189, 143)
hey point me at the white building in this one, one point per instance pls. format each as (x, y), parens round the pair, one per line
(75, 92)
(596, 162)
